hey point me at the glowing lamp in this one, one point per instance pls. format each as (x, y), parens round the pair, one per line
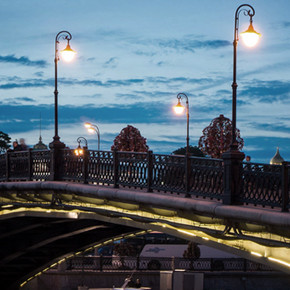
(250, 36)
(79, 151)
(91, 130)
(68, 53)
(178, 109)
(88, 125)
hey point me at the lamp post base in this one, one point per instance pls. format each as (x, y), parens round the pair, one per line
(56, 147)
(56, 143)
(233, 169)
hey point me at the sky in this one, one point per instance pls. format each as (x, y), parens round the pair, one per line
(133, 58)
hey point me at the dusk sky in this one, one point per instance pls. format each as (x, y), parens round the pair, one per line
(133, 58)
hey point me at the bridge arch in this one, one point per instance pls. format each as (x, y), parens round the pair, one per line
(73, 211)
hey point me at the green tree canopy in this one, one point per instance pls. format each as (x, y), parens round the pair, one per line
(5, 140)
(192, 253)
(192, 150)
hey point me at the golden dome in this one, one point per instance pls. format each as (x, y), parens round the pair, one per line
(277, 159)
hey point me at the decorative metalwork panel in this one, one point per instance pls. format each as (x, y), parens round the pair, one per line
(262, 184)
(100, 167)
(151, 263)
(206, 177)
(132, 169)
(40, 164)
(168, 173)
(2, 166)
(72, 165)
(19, 165)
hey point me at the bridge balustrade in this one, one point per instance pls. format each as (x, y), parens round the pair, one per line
(109, 263)
(100, 167)
(206, 177)
(262, 184)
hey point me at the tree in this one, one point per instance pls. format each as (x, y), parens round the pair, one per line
(192, 253)
(130, 139)
(216, 138)
(5, 140)
(124, 249)
(193, 151)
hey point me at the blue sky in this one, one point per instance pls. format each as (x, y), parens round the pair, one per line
(133, 57)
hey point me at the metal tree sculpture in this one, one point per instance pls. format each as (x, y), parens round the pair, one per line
(130, 139)
(216, 138)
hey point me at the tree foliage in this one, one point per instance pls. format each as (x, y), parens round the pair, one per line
(130, 139)
(124, 249)
(192, 150)
(192, 253)
(5, 140)
(217, 137)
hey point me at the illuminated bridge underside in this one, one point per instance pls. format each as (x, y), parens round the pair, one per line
(47, 220)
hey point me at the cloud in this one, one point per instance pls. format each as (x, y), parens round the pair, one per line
(191, 44)
(286, 24)
(267, 91)
(275, 127)
(23, 60)
(111, 63)
(17, 82)
(39, 74)
(29, 83)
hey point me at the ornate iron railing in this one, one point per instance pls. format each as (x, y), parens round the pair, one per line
(103, 263)
(261, 184)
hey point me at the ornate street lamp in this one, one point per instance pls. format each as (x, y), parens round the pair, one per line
(179, 109)
(67, 54)
(250, 37)
(79, 150)
(92, 128)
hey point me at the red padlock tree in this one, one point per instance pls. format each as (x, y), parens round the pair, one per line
(130, 139)
(217, 137)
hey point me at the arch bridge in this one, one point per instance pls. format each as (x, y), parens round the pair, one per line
(54, 203)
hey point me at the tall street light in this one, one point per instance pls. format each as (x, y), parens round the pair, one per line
(67, 54)
(179, 109)
(250, 38)
(92, 128)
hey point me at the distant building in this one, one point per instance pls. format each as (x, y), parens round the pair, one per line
(277, 159)
(40, 145)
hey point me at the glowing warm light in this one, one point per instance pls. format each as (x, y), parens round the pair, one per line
(79, 151)
(88, 125)
(250, 36)
(68, 54)
(7, 206)
(279, 261)
(187, 233)
(91, 130)
(256, 254)
(178, 109)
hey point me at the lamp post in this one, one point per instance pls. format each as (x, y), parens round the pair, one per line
(79, 151)
(179, 109)
(68, 55)
(250, 37)
(232, 159)
(94, 128)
